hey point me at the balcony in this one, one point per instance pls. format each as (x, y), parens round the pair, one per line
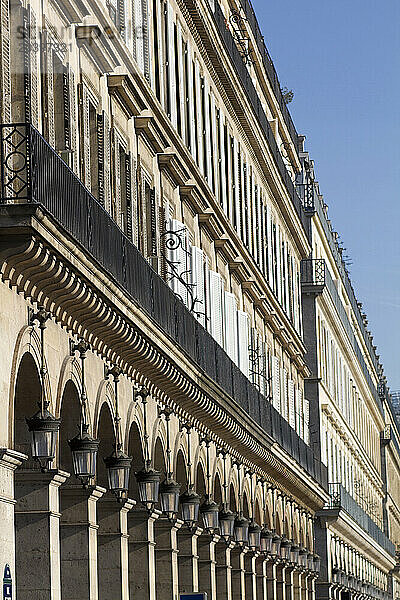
(340, 500)
(313, 275)
(32, 176)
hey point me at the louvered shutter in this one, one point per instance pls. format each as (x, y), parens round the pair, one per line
(231, 327)
(292, 416)
(180, 81)
(146, 45)
(198, 282)
(270, 261)
(198, 117)
(177, 271)
(73, 121)
(207, 291)
(223, 173)
(66, 108)
(279, 264)
(128, 191)
(301, 414)
(243, 341)
(276, 387)
(34, 69)
(171, 64)
(5, 73)
(86, 139)
(139, 34)
(100, 147)
(237, 186)
(216, 306)
(106, 162)
(285, 408)
(306, 409)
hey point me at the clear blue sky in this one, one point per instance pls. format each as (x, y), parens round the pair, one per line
(342, 60)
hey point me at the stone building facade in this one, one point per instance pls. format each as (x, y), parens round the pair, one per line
(155, 245)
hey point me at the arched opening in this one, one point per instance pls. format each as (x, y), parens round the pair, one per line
(181, 471)
(232, 499)
(246, 506)
(159, 459)
(33, 560)
(70, 415)
(200, 481)
(106, 435)
(27, 396)
(140, 527)
(218, 491)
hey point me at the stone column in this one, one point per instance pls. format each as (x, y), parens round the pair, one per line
(224, 569)
(166, 553)
(142, 565)
(9, 461)
(297, 593)
(250, 575)
(113, 547)
(281, 581)
(79, 564)
(238, 573)
(289, 582)
(207, 565)
(261, 577)
(188, 559)
(37, 530)
(272, 579)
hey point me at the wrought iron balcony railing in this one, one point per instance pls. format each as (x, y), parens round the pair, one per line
(313, 273)
(340, 499)
(33, 174)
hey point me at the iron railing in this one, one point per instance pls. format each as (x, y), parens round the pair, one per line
(340, 499)
(32, 172)
(313, 272)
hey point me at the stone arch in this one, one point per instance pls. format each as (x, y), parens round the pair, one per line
(27, 342)
(218, 490)
(200, 480)
(180, 469)
(134, 445)
(105, 432)
(159, 455)
(70, 371)
(70, 408)
(27, 396)
(233, 503)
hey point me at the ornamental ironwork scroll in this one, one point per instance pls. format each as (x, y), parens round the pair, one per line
(15, 163)
(239, 31)
(173, 241)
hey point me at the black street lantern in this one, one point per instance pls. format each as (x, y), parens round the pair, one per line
(303, 557)
(148, 485)
(226, 524)
(286, 546)
(169, 497)
(190, 504)
(118, 465)
(276, 545)
(241, 530)
(316, 563)
(169, 489)
(84, 450)
(209, 509)
(209, 513)
(266, 538)
(83, 446)
(44, 428)
(254, 536)
(294, 554)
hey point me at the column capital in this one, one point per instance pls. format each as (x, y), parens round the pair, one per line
(11, 459)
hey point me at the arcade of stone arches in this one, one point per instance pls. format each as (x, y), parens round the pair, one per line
(239, 537)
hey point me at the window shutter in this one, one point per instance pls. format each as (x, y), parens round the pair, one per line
(66, 108)
(278, 263)
(86, 140)
(34, 69)
(216, 306)
(285, 408)
(292, 417)
(269, 247)
(106, 162)
(100, 146)
(231, 327)
(5, 73)
(198, 282)
(128, 190)
(171, 64)
(145, 41)
(306, 405)
(243, 341)
(237, 186)
(301, 413)
(73, 121)
(276, 387)
(139, 34)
